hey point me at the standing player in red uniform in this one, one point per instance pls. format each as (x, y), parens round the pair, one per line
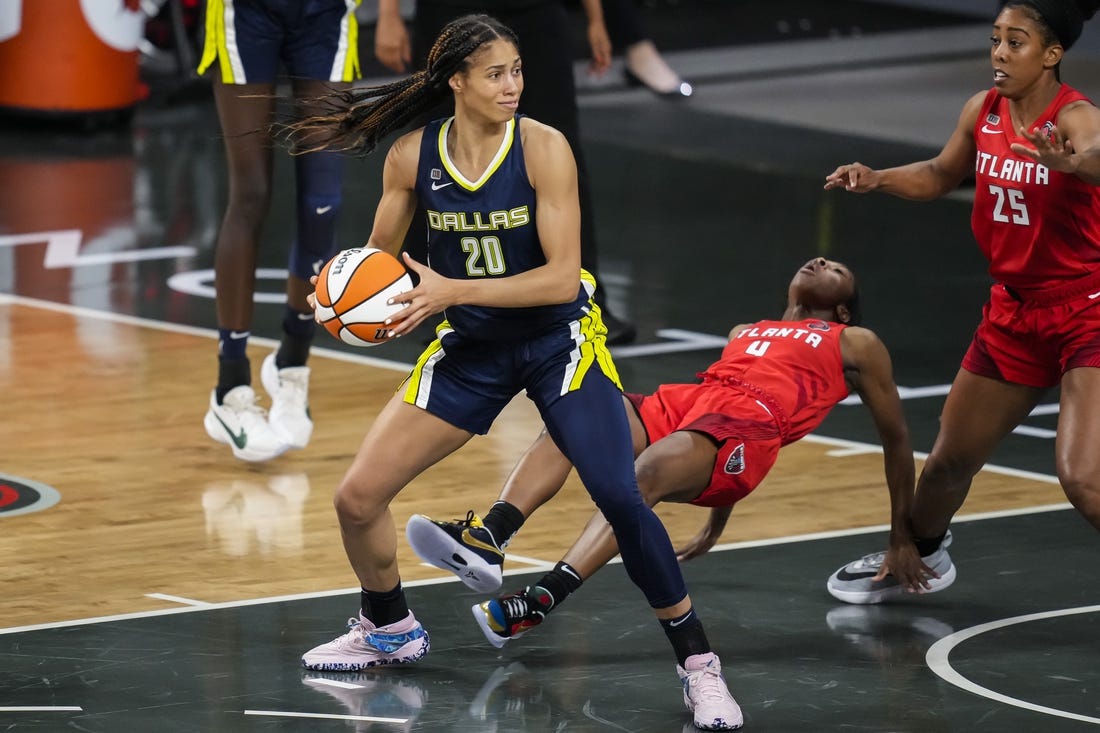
(1033, 144)
(707, 444)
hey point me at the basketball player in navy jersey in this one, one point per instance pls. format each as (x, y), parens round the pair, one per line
(545, 36)
(248, 42)
(1033, 145)
(708, 444)
(499, 193)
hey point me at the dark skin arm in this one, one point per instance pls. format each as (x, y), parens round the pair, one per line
(870, 374)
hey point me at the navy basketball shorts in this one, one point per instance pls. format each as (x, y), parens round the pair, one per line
(467, 382)
(311, 39)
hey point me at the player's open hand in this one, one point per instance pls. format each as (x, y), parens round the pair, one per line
(431, 295)
(854, 177)
(905, 564)
(1053, 150)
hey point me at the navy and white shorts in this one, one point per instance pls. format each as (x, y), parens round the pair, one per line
(311, 39)
(467, 382)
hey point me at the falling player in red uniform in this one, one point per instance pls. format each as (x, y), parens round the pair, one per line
(1033, 144)
(707, 444)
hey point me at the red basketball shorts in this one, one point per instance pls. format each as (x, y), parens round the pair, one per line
(747, 436)
(1035, 340)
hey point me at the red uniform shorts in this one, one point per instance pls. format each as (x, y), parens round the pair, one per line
(1033, 339)
(748, 438)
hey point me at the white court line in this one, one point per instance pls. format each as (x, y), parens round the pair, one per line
(937, 660)
(42, 709)
(176, 599)
(326, 716)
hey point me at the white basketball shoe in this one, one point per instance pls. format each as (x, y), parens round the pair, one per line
(706, 694)
(241, 423)
(855, 583)
(289, 390)
(366, 645)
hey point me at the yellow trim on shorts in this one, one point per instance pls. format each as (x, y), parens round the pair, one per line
(593, 351)
(351, 70)
(214, 45)
(593, 347)
(430, 355)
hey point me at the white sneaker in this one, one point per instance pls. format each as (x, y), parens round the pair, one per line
(242, 424)
(706, 694)
(289, 390)
(854, 583)
(366, 645)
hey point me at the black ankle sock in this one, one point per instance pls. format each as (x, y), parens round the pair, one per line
(232, 373)
(686, 634)
(384, 607)
(927, 546)
(503, 521)
(294, 348)
(560, 583)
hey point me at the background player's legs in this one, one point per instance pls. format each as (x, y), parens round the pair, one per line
(245, 112)
(978, 413)
(233, 417)
(319, 178)
(1078, 459)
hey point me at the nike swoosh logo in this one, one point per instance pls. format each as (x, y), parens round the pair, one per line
(317, 267)
(238, 335)
(323, 209)
(472, 541)
(436, 185)
(677, 622)
(845, 575)
(989, 130)
(305, 316)
(1094, 296)
(240, 440)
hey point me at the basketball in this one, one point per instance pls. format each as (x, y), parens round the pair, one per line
(352, 290)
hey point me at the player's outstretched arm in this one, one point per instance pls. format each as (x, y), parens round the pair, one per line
(926, 179)
(866, 357)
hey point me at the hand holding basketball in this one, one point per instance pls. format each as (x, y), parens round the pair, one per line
(354, 299)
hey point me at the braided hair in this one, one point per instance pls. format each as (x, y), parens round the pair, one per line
(357, 120)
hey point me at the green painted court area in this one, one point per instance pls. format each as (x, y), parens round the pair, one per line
(795, 659)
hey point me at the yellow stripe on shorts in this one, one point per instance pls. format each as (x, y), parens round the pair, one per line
(418, 385)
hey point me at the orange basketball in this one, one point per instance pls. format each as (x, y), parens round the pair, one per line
(352, 290)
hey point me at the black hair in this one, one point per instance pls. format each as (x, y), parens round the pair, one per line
(358, 119)
(1061, 20)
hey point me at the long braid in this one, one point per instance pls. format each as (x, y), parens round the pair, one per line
(357, 120)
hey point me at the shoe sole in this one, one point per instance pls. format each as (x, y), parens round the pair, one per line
(217, 432)
(437, 548)
(482, 619)
(878, 596)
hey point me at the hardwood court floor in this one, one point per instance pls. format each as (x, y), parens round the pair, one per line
(153, 513)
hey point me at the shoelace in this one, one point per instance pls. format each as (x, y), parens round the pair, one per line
(709, 686)
(872, 561)
(472, 520)
(515, 607)
(292, 390)
(242, 405)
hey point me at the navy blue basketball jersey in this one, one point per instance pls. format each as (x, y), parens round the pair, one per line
(484, 229)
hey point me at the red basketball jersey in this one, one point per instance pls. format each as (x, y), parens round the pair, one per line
(1037, 227)
(794, 368)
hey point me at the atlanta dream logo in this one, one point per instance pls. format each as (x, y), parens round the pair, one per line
(23, 496)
